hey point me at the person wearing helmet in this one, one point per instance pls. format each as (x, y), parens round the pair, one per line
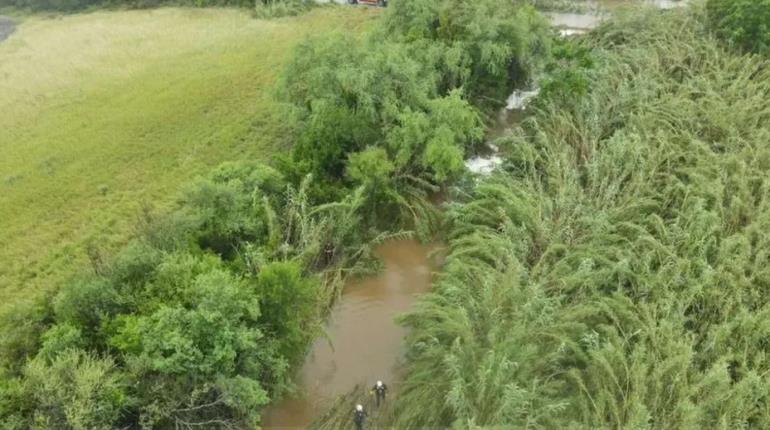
(380, 390)
(359, 417)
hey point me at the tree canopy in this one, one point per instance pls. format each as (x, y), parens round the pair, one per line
(745, 23)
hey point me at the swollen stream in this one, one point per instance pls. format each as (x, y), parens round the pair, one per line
(364, 344)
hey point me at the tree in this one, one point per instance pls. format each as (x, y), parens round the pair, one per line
(200, 358)
(288, 302)
(76, 390)
(226, 205)
(484, 47)
(745, 23)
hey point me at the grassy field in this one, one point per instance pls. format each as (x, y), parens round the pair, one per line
(103, 112)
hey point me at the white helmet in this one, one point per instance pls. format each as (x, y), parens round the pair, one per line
(359, 408)
(379, 383)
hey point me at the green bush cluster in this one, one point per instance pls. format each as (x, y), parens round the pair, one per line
(744, 23)
(400, 107)
(616, 274)
(195, 323)
(486, 47)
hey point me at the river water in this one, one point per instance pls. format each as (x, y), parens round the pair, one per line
(364, 342)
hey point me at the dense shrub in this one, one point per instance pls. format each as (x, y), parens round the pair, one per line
(283, 295)
(745, 23)
(400, 97)
(75, 390)
(353, 96)
(226, 206)
(566, 78)
(201, 333)
(484, 46)
(615, 275)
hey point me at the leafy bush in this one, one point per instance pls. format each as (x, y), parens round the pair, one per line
(59, 339)
(75, 391)
(615, 275)
(745, 23)
(484, 46)
(288, 302)
(227, 206)
(566, 78)
(21, 327)
(88, 303)
(198, 333)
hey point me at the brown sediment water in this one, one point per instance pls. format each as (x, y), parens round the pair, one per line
(363, 344)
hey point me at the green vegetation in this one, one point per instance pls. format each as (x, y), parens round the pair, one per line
(615, 275)
(280, 8)
(197, 322)
(745, 23)
(482, 46)
(393, 111)
(199, 319)
(107, 112)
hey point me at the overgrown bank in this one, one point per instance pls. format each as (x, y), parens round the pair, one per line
(615, 275)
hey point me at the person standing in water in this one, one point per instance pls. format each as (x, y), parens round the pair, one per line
(380, 390)
(359, 417)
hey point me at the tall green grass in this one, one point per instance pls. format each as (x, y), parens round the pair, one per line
(103, 112)
(616, 274)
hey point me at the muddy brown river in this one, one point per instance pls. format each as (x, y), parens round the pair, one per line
(364, 342)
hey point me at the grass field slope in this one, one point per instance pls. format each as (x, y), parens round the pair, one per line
(102, 112)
